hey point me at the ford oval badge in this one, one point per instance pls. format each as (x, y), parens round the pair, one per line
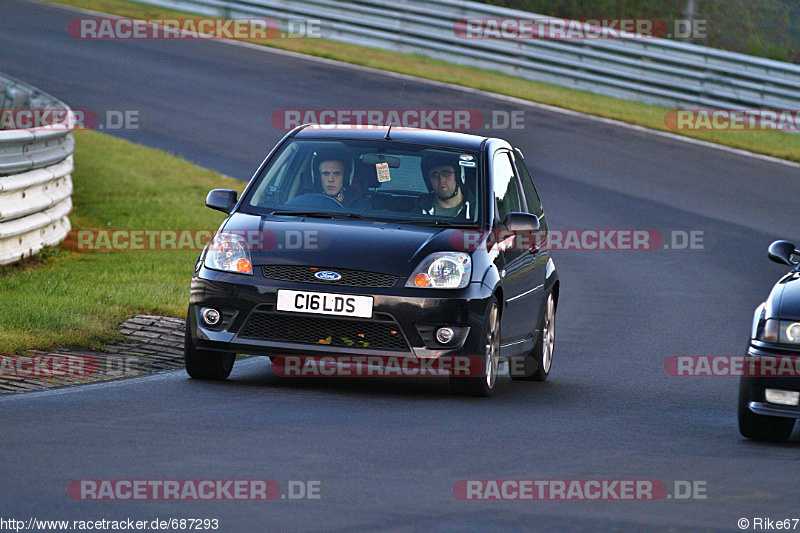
(327, 275)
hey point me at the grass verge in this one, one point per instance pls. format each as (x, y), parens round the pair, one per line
(76, 298)
(773, 143)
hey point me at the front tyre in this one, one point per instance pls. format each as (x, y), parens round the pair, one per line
(760, 427)
(536, 365)
(205, 364)
(484, 384)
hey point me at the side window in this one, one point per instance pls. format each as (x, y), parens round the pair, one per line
(278, 178)
(506, 190)
(532, 197)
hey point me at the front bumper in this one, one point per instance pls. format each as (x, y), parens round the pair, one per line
(771, 409)
(758, 384)
(410, 315)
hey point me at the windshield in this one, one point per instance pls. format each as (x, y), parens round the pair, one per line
(380, 180)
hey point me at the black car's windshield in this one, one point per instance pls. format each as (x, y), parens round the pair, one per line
(381, 180)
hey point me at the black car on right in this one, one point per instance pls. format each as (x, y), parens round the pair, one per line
(769, 389)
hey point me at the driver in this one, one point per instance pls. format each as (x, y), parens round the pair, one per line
(331, 167)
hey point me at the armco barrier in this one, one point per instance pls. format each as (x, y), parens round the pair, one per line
(35, 175)
(658, 71)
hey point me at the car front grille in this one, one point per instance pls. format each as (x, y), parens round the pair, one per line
(378, 333)
(350, 278)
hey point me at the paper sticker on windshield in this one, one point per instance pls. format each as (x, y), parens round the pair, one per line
(465, 157)
(383, 172)
(467, 163)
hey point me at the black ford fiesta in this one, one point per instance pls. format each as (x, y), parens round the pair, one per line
(769, 390)
(399, 243)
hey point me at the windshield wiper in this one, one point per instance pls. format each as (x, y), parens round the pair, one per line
(439, 223)
(287, 213)
(315, 214)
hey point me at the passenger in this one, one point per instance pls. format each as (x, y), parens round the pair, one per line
(447, 197)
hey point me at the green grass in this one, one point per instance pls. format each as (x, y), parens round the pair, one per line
(76, 298)
(774, 143)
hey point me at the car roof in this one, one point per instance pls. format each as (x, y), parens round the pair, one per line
(445, 139)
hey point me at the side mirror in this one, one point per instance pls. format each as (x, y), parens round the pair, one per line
(521, 222)
(781, 252)
(222, 200)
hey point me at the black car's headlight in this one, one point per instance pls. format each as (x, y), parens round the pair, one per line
(442, 270)
(789, 332)
(780, 332)
(228, 252)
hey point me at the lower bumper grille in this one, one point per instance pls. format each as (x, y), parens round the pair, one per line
(379, 333)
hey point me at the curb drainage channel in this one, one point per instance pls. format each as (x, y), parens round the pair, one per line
(152, 344)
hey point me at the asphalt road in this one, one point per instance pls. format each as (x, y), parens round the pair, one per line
(388, 452)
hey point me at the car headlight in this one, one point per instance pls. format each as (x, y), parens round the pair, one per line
(442, 270)
(780, 332)
(789, 331)
(228, 252)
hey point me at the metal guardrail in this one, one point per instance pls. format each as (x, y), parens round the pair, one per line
(657, 71)
(35, 175)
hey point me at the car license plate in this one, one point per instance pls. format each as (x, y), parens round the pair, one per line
(324, 303)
